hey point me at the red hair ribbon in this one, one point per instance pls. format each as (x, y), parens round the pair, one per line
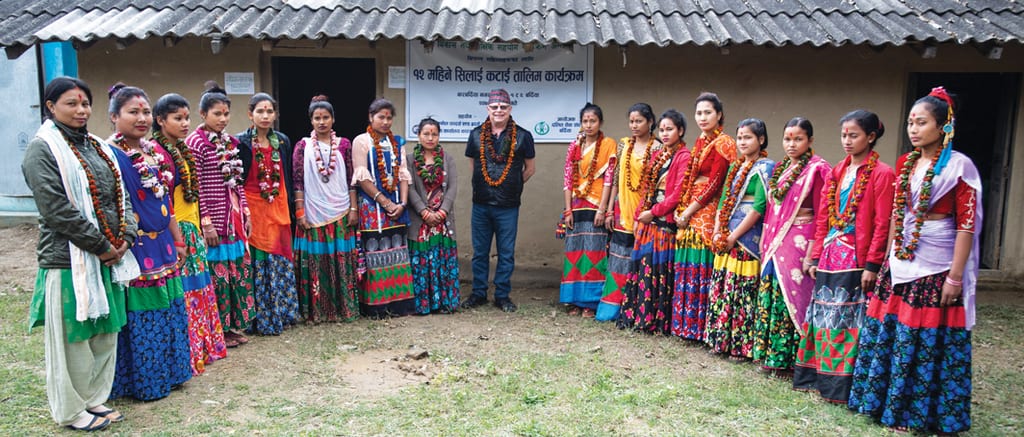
(940, 92)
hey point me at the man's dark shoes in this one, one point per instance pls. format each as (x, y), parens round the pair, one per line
(506, 305)
(473, 301)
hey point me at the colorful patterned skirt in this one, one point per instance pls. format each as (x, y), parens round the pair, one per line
(914, 364)
(775, 336)
(153, 350)
(647, 296)
(732, 303)
(694, 263)
(828, 345)
(435, 269)
(620, 262)
(229, 262)
(205, 334)
(326, 259)
(585, 264)
(387, 284)
(273, 284)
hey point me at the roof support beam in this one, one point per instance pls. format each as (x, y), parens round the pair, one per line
(927, 51)
(269, 44)
(217, 42)
(321, 42)
(15, 51)
(124, 43)
(83, 45)
(171, 41)
(990, 51)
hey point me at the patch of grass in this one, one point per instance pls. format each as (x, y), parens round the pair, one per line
(527, 374)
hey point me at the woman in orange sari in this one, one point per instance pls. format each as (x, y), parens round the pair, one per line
(694, 260)
(589, 163)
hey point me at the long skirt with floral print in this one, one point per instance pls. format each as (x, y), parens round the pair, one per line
(229, 262)
(914, 365)
(647, 296)
(205, 334)
(732, 303)
(327, 261)
(775, 336)
(273, 281)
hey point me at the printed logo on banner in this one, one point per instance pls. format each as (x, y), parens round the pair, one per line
(548, 84)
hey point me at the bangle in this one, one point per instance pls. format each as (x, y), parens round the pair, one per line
(375, 196)
(353, 209)
(954, 282)
(179, 244)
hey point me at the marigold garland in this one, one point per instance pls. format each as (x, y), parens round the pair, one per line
(649, 178)
(840, 220)
(697, 157)
(269, 179)
(578, 191)
(94, 191)
(487, 145)
(388, 180)
(629, 166)
(779, 191)
(184, 162)
(729, 207)
(899, 211)
(158, 182)
(431, 175)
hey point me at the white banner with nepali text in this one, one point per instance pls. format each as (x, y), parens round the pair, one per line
(548, 83)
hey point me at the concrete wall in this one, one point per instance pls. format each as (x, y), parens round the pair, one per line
(774, 84)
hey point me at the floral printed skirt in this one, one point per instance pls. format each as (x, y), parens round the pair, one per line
(775, 336)
(205, 334)
(232, 281)
(326, 259)
(732, 303)
(435, 270)
(153, 352)
(647, 296)
(914, 365)
(273, 285)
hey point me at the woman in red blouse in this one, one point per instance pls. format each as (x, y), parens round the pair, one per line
(849, 245)
(913, 369)
(695, 216)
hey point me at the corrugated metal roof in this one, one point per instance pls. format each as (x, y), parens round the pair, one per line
(602, 22)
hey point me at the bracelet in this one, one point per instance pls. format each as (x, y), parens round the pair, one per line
(375, 196)
(353, 209)
(954, 282)
(300, 213)
(179, 244)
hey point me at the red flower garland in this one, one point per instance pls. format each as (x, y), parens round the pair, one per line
(578, 191)
(487, 145)
(629, 166)
(727, 209)
(268, 179)
(648, 180)
(388, 181)
(840, 220)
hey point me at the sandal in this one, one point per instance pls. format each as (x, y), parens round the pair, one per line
(588, 313)
(110, 414)
(574, 310)
(239, 339)
(97, 423)
(230, 342)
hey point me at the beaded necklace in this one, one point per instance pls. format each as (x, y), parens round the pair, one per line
(433, 174)
(580, 192)
(779, 191)
(268, 174)
(184, 162)
(840, 220)
(327, 169)
(487, 145)
(389, 180)
(159, 181)
(629, 166)
(115, 239)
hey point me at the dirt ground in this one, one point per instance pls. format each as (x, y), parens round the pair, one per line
(366, 360)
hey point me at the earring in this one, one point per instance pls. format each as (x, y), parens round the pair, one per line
(948, 128)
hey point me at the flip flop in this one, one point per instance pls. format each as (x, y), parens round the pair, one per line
(588, 313)
(230, 342)
(97, 423)
(112, 415)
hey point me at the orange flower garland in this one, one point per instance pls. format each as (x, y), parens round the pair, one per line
(94, 192)
(629, 167)
(840, 220)
(390, 184)
(899, 210)
(487, 144)
(696, 158)
(578, 191)
(779, 191)
(727, 209)
(648, 179)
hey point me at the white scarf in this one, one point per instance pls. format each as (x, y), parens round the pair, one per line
(87, 278)
(326, 202)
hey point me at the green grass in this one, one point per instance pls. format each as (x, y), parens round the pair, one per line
(534, 375)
